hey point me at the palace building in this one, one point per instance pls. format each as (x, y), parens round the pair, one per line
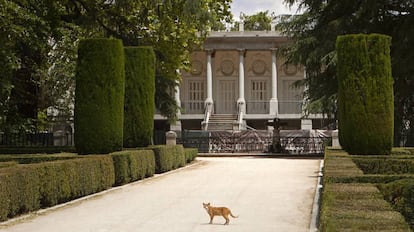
(239, 81)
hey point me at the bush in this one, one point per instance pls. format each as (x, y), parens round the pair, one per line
(33, 150)
(133, 165)
(180, 159)
(358, 207)
(168, 157)
(400, 194)
(351, 202)
(29, 187)
(190, 154)
(139, 96)
(99, 103)
(37, 158)
(385, 165)
(365, 94)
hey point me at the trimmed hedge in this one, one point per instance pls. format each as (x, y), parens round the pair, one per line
(350, 199)
(190, 154)
(99, 99)
(365, 94)
(139, 96)
(168, 157)
(37, 158)
(29, 187)
(358, 207)
(133, 165)
(401, 195)
(33, 150)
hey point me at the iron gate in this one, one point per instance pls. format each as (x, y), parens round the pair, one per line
(250, 141)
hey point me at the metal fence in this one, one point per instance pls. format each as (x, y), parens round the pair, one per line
(251, 142)
(42, 139)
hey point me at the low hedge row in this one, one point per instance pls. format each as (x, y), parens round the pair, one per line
(34, 150)
(401, 195)
(133, 165)
(43, 183)
(190, 154)
(37, 158)
(351, 200)
(168, 157)
(29, 187)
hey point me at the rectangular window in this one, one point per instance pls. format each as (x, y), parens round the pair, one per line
(196, 97)
(259, 101)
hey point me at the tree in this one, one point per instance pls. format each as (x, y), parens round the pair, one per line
(256, 22)
(100, 88)
(314, 34)
(365, 94)
(174, 28)
(38, 44)
(139, 96)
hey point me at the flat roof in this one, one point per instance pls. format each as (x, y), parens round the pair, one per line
(249, 40)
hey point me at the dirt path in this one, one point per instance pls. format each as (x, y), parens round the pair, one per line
(268, 195)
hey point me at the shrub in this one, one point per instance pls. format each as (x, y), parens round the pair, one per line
(400, 194)
(164, 156)
(37, 158)
(385, 165)
(190, 154)
(29, 187)
(132, 165)
(180, 159)
(99, 99)
(365, 94)
(139, 96)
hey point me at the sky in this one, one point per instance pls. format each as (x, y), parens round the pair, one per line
(250, 7)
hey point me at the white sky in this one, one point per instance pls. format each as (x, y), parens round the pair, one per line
(250, 7)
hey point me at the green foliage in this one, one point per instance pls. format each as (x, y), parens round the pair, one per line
(133, 165)
(401, 195)
(139, 96)
(99, 108)
(190, 154)
(314, 33)
(365, 94)
(37, 158)
(180, 158)
(351, 202)
(32, 186)
(257, 22)
(168, 157)
(385, 165)
(32, 150)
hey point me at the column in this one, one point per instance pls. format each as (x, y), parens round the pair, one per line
(209, 99)
(273, 101)
(241, 102)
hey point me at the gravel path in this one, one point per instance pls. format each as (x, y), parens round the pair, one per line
(268, 195)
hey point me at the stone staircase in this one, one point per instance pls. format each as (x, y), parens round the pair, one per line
(221, 122)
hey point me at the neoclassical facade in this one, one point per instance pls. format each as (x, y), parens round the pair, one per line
(239, 78)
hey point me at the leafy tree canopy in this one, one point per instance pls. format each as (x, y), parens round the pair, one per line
(314, 34)
(38, 43)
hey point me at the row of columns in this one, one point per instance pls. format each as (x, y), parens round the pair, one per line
(241, 100)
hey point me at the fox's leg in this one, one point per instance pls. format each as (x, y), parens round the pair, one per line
(211, 219)
(227, 219)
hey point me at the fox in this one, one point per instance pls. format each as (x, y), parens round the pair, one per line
(218, 211)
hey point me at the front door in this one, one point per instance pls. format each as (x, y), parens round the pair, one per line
(226, 100)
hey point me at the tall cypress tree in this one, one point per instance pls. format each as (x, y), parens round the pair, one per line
(99, 99)
(365, 93)
(139, 96)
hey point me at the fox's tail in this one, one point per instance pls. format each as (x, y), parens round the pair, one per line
(233, 215)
